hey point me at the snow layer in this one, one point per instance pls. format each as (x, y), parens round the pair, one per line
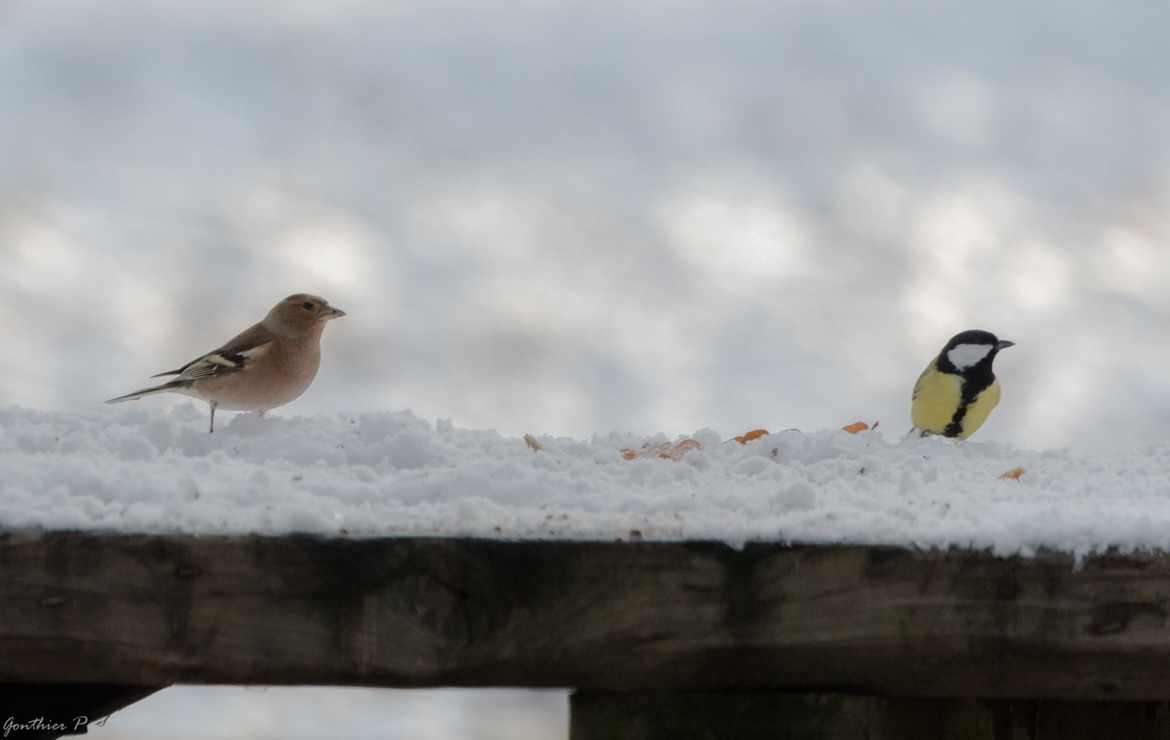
(384, 474)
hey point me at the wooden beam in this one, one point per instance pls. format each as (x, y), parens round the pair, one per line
(778, 716)
(152, 610)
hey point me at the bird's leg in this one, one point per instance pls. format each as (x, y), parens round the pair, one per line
(211, 429)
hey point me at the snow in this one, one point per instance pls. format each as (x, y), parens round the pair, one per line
(147, 470)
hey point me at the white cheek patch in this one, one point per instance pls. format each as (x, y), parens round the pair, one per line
(965, 355)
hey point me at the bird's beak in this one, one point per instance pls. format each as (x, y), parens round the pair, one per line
(334, 313)
(1004, 344)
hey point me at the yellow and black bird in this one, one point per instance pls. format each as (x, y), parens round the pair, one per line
(957, 391)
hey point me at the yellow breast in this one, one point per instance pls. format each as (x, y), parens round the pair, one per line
(937, 397)
(979, 409)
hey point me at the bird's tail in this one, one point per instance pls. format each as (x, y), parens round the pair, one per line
(148, 392)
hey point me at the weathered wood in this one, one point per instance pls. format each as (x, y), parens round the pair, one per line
(724, 716)
(779, 716)
(47, 711)
(602, 616)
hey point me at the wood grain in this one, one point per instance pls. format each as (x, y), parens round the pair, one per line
(151, 611)
(770, 715)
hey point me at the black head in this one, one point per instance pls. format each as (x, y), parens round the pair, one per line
(971, 352)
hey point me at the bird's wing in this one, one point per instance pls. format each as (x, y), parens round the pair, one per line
(242, 350)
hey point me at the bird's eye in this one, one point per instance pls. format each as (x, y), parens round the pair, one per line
(307, 306)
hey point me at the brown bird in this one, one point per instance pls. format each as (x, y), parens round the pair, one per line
(265, 366)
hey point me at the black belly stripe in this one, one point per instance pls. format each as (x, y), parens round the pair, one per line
(955, 428)
(972, 387)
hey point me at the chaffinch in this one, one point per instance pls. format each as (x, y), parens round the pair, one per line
(265, 366)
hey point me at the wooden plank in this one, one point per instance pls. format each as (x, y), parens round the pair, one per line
(746, 715)
(144, 610)
(755, 715)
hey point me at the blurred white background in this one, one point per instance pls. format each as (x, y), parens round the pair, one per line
(570, 217)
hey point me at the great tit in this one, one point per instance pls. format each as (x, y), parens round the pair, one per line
(958, 390)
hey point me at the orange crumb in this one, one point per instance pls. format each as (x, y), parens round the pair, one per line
(743, 439)
(666, 450)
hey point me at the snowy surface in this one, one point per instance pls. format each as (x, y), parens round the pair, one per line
(312, 713)
(148, 470)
